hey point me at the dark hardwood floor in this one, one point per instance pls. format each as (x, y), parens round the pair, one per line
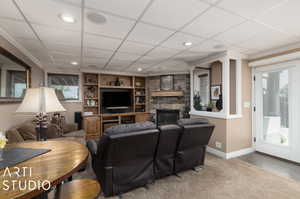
(280, 167)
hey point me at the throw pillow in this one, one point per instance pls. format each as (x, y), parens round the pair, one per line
(27, 131)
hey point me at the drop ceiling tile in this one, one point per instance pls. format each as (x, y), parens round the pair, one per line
(129, 8)
(284, 17)
(149, 34)
(210, 46)
(17, 28)
(62, 48)
(95, 41)
(249, 8)
(161, 52)
(173, 13)
(50, 35)
(135, 48)
(191, 56)
(267, 40)
(211, 1)
(42, 56)
(100, 53)
(113, 27)
(94, 61)
(126, 56)
(121, 64)
(92, 67)
(31, 44)
(47, 12)
(241, 32)
(178, 39)
(9, 10)
(212, 22)
(60, 56)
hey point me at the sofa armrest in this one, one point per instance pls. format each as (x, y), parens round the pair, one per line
(92, 146)
(67, 128)
(53, 131)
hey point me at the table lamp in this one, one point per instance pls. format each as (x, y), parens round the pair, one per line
(40, 102)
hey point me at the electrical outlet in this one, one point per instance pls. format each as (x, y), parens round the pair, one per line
(219, 145)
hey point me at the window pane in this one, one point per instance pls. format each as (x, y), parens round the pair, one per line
(16, 83)
(68, 84)
(275, 107)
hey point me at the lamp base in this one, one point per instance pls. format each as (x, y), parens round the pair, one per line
(41, 127)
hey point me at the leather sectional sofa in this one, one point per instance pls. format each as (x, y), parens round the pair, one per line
(132, 155)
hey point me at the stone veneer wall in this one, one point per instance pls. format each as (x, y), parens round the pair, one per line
(181, 83)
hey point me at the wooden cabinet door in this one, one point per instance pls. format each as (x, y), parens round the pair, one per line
(92, 127)
(142, 117)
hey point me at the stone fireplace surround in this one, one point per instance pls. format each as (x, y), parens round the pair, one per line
(181, 83)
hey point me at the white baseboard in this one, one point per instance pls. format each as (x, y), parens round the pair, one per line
(229, 155)
(216, 152)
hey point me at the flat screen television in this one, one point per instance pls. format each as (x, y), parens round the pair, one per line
(116, 99)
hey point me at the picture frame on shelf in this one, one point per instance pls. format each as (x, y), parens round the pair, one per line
(166, 82)
(215, 92)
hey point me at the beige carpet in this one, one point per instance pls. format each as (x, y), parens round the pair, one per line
(220, 179)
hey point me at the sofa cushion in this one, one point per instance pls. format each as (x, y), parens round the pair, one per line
(79, 134)
(13, 136)
(27, 131)
(192, 121)
(128, 128)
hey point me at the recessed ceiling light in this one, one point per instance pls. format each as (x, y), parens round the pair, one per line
(74, 63)
(96, 18)
(67, 18)
(188, 43)
(139, 69)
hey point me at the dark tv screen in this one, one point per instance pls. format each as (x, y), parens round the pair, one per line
(116, 99)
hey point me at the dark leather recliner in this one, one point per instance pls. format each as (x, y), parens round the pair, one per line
(166, 150)
(124, 157)
(192, 144)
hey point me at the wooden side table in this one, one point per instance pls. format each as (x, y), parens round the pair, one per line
(78, 189)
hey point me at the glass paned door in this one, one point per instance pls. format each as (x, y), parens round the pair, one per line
(273, 100)
(275, 93)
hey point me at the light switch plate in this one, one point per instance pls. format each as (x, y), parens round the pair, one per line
(247, 104)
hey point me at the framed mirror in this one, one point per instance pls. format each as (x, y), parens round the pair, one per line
(14, 77)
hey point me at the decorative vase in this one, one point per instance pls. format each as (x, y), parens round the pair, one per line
(219, 103)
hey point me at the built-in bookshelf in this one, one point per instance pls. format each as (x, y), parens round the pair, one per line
(93, 83)
(90, 93)
(97, 120)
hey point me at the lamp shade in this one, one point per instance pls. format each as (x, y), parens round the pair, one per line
(40, 100)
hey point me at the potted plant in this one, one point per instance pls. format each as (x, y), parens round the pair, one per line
(210, 107)
(197, 102)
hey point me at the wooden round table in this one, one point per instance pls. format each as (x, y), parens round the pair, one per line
(64, 159)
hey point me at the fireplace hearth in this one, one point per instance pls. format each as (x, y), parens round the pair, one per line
(167, 116)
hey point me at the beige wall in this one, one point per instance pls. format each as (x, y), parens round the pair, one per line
(235, 134)
(71, 108)
(216, 73)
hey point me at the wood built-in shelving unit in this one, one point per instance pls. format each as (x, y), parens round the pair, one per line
(92, 85)
(91, 93)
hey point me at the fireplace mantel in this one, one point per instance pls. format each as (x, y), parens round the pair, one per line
(167, 94)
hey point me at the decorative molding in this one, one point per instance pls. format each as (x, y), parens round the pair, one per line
(23, 50)
(282, 58)
(230, 155)
(168, 73)
(111, 72)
